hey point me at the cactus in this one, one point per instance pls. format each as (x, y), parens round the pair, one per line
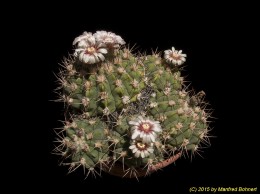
(125, 109)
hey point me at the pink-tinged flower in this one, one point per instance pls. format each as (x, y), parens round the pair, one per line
(140, 148)
(82, 39)
(109, 39)
(88, 50)
(145, 129)
(174, 56)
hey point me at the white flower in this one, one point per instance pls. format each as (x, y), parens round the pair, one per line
(88, 50)
(145, 128)
(82, 38)
(110, 39)
(140, 148)
(174, 56)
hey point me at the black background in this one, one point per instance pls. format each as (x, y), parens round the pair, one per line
(218, 41)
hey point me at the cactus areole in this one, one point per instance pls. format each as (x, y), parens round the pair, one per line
(126, 114)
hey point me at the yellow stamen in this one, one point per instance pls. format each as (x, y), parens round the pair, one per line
(141, 145)
(146, 126)
(91, 50)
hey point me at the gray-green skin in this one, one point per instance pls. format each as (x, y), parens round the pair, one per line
(97, 130)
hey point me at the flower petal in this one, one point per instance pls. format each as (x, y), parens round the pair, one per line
(150, 150)
(133, 123)
(91, 59)
(154, 134)
(137, 154)
(101, 57)
(135, 134)
(152, 138)
(86, 58)
(83, 44)
(102, 50)
(134, 150)
(140, 118)
(92, 40)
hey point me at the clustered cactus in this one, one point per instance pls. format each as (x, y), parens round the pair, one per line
(126, 110)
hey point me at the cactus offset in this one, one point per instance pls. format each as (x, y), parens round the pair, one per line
(126, 109)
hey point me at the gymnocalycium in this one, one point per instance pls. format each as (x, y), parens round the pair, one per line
(126, 109)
